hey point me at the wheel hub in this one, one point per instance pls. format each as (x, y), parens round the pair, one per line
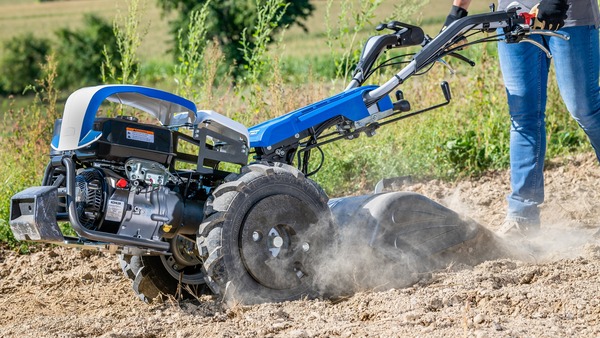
(275, 241)
(184, 264)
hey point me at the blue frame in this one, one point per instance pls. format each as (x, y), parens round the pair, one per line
(349, 104)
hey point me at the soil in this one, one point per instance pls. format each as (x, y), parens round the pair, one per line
(65, 292)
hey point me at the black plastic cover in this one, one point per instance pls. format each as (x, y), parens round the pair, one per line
(122, 139)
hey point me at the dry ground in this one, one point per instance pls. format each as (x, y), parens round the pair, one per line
(61, 292)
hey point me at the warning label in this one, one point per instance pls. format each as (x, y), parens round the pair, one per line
(140, 135)
(114, 210)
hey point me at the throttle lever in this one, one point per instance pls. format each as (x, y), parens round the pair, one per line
(544, 32)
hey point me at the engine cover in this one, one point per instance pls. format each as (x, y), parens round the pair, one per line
(122, 139)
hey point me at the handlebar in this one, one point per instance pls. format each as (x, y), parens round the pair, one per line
(516, 29)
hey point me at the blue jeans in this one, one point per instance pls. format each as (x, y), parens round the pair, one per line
(525, 71)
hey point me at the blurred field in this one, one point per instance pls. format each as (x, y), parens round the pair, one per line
(44, 18)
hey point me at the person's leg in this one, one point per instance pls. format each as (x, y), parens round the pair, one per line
(577, 67)
(525, 72)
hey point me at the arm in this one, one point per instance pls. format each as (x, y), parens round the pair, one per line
(464, 4)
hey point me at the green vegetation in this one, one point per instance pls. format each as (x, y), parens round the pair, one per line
(233, 23)
(465, 138)
(80, 63)
(22, 62)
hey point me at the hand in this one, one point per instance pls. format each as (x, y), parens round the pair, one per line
(455, 14)
(550, 14)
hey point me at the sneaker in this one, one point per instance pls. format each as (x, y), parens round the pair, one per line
(513, 228)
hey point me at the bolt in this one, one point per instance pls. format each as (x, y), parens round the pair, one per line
(305, 247)
(277, 242)
(256, 236)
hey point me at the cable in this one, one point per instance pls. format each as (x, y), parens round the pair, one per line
(387, 63)
(320, 164)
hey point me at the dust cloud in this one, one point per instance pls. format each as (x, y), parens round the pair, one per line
(354, 264)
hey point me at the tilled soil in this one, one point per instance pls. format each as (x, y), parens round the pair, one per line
(63, 292)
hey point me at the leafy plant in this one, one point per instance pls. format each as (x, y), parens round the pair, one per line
(26, 148)
(344, 37)
(192, 43)
(128, 38)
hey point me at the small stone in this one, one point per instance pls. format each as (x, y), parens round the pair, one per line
(298, 334)
(498, 327)
(479, 318)
(480, 334)
(279, 326)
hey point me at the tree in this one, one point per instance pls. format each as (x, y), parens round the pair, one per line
(227, 20)
(21, 64)
(80, 52)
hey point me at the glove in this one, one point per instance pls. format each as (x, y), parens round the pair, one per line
(550, 14)
(455, 14)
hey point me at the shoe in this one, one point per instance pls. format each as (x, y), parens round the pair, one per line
(513, 228)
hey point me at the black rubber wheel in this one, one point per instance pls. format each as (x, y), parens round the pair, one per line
(264, 232)
(156, 278)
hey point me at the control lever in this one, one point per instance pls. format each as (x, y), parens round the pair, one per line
(396, 26)
(462, 58)
(563, 36)
(538, 45)
(401, 106)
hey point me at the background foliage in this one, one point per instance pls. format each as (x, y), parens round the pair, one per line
(227, 22)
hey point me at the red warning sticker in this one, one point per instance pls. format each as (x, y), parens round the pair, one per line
(140, 135)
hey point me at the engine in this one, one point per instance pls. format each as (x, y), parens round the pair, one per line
(137, 207)
(125, 187)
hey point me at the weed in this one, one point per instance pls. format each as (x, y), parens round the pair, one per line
(191, 53)
(128, 38)
(345, 37)
(24, 155)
